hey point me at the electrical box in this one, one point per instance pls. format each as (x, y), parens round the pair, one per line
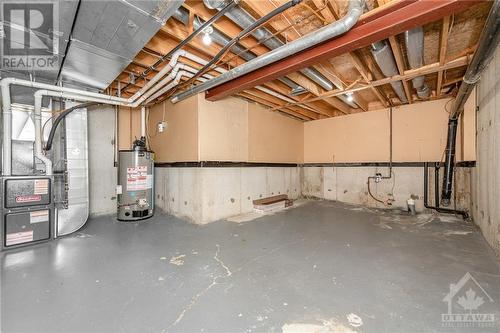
(162, 126)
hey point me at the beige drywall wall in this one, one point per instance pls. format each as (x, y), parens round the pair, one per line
(419, 134)
(240, 131)
(273, 137)
(179, 142)
(222, 129)
(228, 130)
(129, 126)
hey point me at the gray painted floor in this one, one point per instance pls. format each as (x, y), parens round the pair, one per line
(315, 264)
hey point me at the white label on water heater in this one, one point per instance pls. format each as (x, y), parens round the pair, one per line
(137, 178)
(119, 189)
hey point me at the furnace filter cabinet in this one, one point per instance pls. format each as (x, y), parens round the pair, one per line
(135, 184)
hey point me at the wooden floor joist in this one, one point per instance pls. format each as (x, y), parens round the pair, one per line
(370, 28)
(408, 75)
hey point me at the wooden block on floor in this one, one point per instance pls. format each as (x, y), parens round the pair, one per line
(271, 200)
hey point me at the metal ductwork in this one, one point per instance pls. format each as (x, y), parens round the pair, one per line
(107, 36)
(328, 32)
(220, 38)
(488, 42)
(73, 205)
(385, 60)
(243, 19)
(414, 39)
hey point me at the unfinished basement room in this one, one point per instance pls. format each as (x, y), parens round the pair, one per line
(253, 166)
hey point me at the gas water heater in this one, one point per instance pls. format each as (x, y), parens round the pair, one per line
(135, 188)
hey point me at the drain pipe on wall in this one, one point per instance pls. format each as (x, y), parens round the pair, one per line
(378, 177)
(464, 214)
(488, 42)
(143, 121)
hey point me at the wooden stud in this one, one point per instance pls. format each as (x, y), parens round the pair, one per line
(443, 44)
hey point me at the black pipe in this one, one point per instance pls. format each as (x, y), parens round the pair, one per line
(436, 184)
(195, 33)
(488, 42)
(449, 163)
(61, 116)
(70, 39)
(464, 214)
(243, 33)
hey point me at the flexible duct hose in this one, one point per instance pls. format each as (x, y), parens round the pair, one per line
(58, 120)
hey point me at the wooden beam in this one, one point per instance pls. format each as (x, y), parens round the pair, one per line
(276, 100)
(443, 45)
(263, 7)
(371, 27)
(368, 77)
(258, 99)
(325, 11)
(408, 75)
(338, 105)
(317, 109)
(398, 56)
(332, 8)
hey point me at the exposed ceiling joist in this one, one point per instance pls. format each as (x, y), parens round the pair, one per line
(372, 27)
(443, 43)
(408, 75)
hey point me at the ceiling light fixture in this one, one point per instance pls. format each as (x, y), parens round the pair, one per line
(207, 39)
(350, 97)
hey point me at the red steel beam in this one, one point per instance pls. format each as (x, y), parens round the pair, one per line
(402, 16)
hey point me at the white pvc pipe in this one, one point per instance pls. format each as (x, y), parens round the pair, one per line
(169, 86)
(152, 90)
(188, 71)
(77, 94)
(143, 122)
(7, 130)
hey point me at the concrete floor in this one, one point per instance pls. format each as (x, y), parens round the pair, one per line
(308, 268)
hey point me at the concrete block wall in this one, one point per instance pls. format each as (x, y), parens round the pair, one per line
(486, 177)
(349, 185)
(203, 195)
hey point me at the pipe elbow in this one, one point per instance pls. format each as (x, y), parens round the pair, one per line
(214, 4)
(39, 94)
(423, 92)
(175, 57)
(6, 82)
